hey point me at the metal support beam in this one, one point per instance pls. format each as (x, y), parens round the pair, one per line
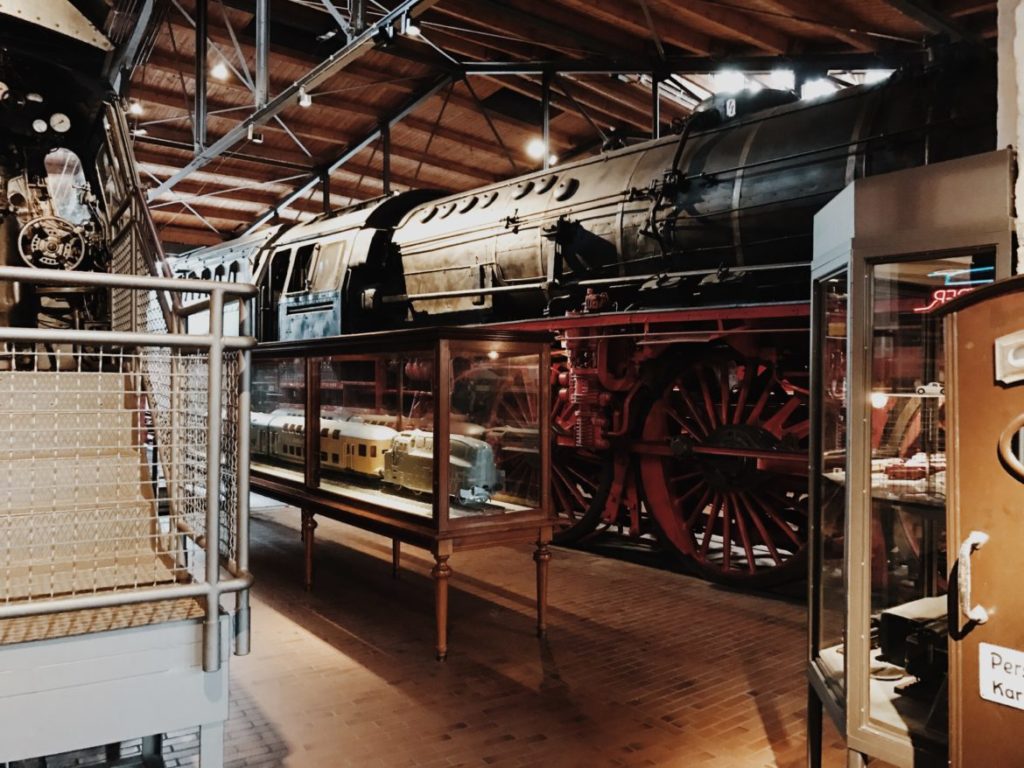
(925, 14)
(352, 150)
(325, 191)
(358, 21)
(385, 153)
(337, 61)
(199, 127)
(262, 87)
(692, 64)
(545, 103)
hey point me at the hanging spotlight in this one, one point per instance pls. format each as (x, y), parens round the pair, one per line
(253, 135)
(412, 29)
(219, 71)
(536, 149)
(135, 107)
(552, 159)
(305, 100)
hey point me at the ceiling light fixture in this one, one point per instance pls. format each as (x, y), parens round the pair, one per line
(219, 71)
(305, 99)
(135, 107)
(412, 29)
(536, 149)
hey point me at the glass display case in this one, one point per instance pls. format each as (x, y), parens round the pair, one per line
(435, 437)
(878, 579)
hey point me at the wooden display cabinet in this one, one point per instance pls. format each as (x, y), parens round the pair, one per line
(354, 428)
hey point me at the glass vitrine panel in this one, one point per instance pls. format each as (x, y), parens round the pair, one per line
(495, 431)
(377, 429)
(277, 434)
(905, 407)
(833, 303)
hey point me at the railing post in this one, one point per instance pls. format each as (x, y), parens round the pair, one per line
(242, 619)
(211, 625)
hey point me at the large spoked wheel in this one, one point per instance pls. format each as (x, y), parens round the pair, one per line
(726, 479)
(580, 477)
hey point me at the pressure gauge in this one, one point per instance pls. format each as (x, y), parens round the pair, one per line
(60, 122)
(39, 126)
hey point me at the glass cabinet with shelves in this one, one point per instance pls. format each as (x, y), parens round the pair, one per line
(435, 437)
(879, 560)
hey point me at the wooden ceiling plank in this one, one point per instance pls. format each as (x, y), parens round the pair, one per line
(728, 23)
(832, 21)
(620, 14)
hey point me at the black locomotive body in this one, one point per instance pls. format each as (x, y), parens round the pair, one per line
(674, 274)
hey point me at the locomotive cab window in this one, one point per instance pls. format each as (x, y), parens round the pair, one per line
(298, 277)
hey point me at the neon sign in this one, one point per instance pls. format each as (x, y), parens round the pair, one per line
(957, 282)
(941, 296)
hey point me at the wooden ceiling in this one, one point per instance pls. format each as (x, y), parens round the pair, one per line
(476, 130)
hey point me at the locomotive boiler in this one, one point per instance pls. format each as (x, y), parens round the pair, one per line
(674, 277)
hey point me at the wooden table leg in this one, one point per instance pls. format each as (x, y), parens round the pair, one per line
(542, 556)
(308, 526)
(396, 557)
(441, 573)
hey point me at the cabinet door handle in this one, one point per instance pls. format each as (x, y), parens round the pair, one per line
(975, 540)
(1006, 446)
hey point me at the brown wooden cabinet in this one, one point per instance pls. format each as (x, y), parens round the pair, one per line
(435, 437)
(985, 361)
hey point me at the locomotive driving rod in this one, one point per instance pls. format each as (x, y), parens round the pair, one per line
(653, 448)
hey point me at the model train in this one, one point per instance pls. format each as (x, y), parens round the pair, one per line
(399, 459)
(673, 274)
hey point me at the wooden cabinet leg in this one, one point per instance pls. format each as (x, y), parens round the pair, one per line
(542, 556)
(308, 526)
(441, 573)
(396, 557)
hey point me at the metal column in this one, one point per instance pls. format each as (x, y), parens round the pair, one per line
(199, 128)
(262, 53)
(655, 105)
(325, 190)
(385, 148)
(546, 110)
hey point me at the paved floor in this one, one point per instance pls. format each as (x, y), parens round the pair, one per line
(641, 668)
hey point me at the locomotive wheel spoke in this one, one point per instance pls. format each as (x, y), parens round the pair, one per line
(744, 393)
(740, 518)
(744, 536)
(761, 529)
(695, 413)
(774, 424)
(709, 406)
(691, 521)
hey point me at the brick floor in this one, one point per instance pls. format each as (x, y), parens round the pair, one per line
(642, 667)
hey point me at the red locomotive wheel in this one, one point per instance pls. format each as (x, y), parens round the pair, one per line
(731, 491)
(580, 477)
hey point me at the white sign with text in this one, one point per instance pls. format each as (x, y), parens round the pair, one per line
(1001, 675)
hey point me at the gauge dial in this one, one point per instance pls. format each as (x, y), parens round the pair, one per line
(39, 126)
(60, 122)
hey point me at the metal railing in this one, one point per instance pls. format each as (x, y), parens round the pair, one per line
(98, 423)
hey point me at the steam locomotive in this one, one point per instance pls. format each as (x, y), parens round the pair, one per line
(673, 275)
